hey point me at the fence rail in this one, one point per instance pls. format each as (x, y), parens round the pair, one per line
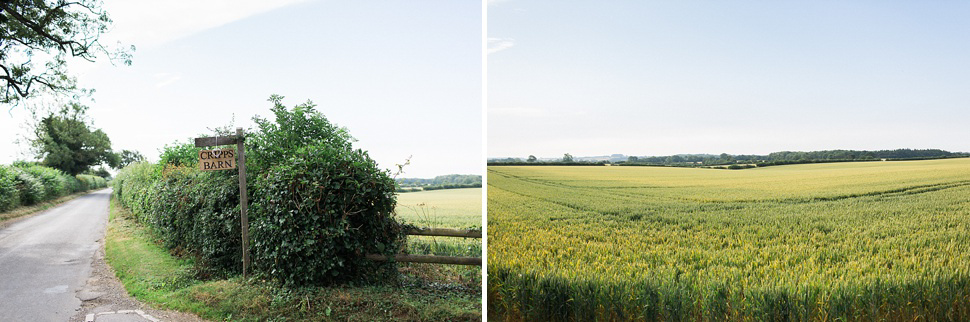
(445, 232)
(434, 259)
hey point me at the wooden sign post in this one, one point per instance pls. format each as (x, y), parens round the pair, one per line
(214, 160)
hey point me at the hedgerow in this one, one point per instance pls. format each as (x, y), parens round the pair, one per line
(89, 182)
(53, 180)
(25, 184)
(30, 187)
(192, 211)
(317, 205)
(9, 195)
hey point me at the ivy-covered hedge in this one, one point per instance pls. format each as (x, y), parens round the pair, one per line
(319, 213)
(317, 205)
(191, 210)
(25, 184)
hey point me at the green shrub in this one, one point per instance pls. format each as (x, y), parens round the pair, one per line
(53, 180)
(278, 140)
(85, 181)
(72, 184)
(320, 213)
(318, 205)
(9, 195)
(31, 189)
(180, 154)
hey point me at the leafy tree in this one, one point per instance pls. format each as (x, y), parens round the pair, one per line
(531, 158)
(278, 140)
(129, 157)
(37, 37)
(567, 157)
(101, 172)
(65, 141)
(180, 154)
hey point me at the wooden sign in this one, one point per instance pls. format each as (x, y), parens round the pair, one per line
(214, 160)
(243, 195)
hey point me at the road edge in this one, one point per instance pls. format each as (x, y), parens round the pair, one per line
(42, 207)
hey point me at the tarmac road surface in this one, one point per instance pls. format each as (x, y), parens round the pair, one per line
(45, 259)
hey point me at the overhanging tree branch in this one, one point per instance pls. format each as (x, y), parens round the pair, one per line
(57, 28)
(40, 30)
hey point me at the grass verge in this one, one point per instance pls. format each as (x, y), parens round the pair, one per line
(152, 275)
(44, 205)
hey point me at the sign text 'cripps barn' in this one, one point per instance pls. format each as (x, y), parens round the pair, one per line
(212, 160)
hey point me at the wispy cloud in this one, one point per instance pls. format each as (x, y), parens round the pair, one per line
(165, 79)
(517, 111)
(499, 44)
(146, 23)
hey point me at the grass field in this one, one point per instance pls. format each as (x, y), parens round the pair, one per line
(862, 240)
(447, 208)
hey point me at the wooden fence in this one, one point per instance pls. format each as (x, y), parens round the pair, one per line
(443, 232)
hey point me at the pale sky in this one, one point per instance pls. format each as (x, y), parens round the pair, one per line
(740, 77)
(404, 77)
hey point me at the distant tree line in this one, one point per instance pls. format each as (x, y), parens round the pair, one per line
(450, 181)
(909, 154)
(742, 161)
(539, 163)
(567, 159)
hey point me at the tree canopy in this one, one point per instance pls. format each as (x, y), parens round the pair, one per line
(128, 157)
(38, 36)
(65, 141)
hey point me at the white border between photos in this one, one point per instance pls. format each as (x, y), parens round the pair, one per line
(483, 156)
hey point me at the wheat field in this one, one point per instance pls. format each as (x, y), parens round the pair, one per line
(861, 240)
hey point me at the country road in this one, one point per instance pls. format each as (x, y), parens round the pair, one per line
(46, 259)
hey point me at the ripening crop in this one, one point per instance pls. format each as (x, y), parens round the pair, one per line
(861, 240)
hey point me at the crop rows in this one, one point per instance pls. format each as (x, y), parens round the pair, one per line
(882, 240)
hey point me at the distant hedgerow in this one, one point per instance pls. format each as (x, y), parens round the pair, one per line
(25, 184)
